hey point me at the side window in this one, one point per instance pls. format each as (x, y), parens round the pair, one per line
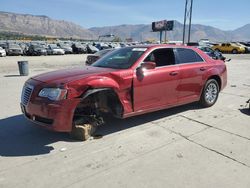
(187, 56)
(162, 57)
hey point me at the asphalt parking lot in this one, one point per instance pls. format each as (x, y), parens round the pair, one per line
(181, 147)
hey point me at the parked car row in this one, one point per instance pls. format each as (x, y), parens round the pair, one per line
(60, 48)
(69, 47)
(228, 47)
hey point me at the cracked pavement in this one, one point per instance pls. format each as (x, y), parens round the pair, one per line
(180, 147)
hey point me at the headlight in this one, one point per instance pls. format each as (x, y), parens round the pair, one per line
(54, 94)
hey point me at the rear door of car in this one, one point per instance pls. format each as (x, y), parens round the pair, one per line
(192, 68)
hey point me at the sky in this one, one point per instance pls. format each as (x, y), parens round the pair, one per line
(223, 14)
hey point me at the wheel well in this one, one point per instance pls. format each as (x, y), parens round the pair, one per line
(217, 78)
(99, 101)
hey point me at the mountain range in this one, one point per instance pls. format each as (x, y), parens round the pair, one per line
(198, 31)
(42, 25)
(45, 26)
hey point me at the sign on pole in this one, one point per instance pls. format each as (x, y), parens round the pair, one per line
(163, 25)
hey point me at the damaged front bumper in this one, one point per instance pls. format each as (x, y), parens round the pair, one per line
(53, 115)
(56, 116)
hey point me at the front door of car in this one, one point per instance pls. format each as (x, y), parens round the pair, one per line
(156, 88)
(192, 68)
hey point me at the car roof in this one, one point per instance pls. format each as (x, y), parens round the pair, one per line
(155, 46)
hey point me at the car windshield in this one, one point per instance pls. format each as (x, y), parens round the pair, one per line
(120, 59)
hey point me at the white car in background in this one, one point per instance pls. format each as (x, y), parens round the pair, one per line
(2, 52)
(53, 49)
(246, 46)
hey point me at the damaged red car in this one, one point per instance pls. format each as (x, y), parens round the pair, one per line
(126, 82)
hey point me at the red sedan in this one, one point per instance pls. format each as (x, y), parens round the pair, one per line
(126, 82)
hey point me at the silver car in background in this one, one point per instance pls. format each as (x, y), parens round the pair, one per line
(53, 49)
(14, 49)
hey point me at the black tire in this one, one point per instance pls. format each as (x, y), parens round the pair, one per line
(82, 130)
(210, 93)
(235, 51)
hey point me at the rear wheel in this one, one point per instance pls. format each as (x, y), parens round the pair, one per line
(234, 51)
(210, 93)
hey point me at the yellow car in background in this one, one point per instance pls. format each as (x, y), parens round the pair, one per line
(229, 48)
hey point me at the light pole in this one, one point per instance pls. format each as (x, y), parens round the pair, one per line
(190, 20)
(187, 16)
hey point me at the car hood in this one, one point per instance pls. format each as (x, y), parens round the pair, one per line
(65, 76)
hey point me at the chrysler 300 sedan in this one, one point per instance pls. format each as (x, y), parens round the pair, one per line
(124, 83)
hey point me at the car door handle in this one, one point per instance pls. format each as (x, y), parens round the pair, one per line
(202, 68)
(173, 73)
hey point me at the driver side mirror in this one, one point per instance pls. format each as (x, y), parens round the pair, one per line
(145, 65)
(148, 65)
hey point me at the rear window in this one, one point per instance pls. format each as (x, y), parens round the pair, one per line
(187, 56)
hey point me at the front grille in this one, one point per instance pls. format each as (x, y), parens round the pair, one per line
(26, 94)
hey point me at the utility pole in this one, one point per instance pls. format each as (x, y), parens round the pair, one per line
(187, 16)
(165, 40)
(160, 37)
